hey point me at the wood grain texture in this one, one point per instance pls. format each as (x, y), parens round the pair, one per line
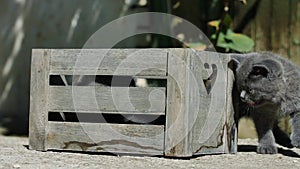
(177, 125)
(198, 118)
(107, 99)
(274, 26)
(209, 131)
(38, 99)
(109, 62)
(262, 33)
(196, 103)
(232, 137)
(279, 26)
(114, 138)
(294, 36)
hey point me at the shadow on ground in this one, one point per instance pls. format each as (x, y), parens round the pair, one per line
(252, 148)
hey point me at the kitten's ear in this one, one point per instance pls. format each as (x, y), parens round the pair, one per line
(236, 60)
(267, 68)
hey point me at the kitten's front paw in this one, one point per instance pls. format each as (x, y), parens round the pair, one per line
(295, 141)
(267, 149)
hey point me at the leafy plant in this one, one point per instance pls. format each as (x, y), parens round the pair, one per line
(230, 40)
(226, 38)
(223, 37)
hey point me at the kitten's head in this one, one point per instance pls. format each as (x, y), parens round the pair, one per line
(259, 78)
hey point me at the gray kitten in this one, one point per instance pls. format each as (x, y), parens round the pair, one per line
(268, 88)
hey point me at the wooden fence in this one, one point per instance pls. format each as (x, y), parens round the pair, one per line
(274, 25)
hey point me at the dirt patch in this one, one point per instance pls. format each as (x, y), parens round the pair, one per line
(14, 154)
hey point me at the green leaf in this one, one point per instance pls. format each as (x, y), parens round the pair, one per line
(215, 23)
(234, 41)
(227, 20)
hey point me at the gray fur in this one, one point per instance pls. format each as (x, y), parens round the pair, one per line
(270, 87)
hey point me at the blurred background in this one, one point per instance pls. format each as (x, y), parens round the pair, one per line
(232, 25)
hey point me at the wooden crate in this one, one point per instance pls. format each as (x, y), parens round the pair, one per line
(195, 105)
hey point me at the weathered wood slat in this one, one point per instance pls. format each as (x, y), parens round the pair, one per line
(38, 99)
(109, 62)
(206, 133)
(115, 138)
(280, 35)
(209, 131)
(197, 113)
(261, 26)
(177, 121)
(107, 99)
(231, 128)
(294, 36)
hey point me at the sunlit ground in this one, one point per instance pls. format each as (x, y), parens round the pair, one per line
(247, 129)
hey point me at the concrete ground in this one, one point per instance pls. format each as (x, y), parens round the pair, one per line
(15, 154)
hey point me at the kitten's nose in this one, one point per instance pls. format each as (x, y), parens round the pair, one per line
(243, 94)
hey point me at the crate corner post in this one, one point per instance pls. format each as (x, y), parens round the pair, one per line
(38, 98)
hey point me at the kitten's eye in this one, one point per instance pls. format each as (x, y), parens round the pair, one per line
(251, 91)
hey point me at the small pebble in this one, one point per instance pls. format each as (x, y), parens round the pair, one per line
(16, 166)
